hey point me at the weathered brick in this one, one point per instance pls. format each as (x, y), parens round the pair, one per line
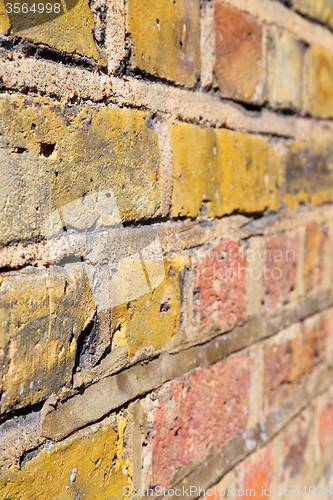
(198, 414)
(284, 70)
(227, 170)
(255, 473)
(41, 316)
(313, 269)
(321, 11)
(165, 38)
(238, 45)
(92, 464)
(153, 319)
(291, 355)
(292, 443)
(309, 176)
(69, 28)
(280, 268)
(220, 285)
(18, 436)
(320, 82)
(44, 165)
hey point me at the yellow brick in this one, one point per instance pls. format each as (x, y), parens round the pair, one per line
(188, 144)
(91, 465)
(309, 175)
(41, 317)
(165, 36)
(320, 82)
(69, 30)
(153, 319)
(94, 149)
(284, 70)
(235, 172)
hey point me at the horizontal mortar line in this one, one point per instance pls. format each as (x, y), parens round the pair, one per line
(198, 476)
(113, 391)
(181, 104)
(237, 226)
(274, 12)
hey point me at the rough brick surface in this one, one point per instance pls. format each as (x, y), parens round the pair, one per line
(284, 70)
(45, 147)
(238, 67)
(201, 412)
(320, 82)
(220, 287)
(42, 315)
(165, 37)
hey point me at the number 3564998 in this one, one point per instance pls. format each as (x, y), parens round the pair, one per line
(40, 8)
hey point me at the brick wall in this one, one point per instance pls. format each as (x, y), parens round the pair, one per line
(166, 249)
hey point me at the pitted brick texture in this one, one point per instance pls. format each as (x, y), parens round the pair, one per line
(199, 413)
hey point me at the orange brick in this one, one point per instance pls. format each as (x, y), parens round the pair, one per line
(238, 67)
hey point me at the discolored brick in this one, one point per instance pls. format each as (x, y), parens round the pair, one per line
(165, 38)
(256, 473)
(284, 70)
(227, 170)
(41, 317)
(44, 164)
(68, 27)
(321, 11)
(280, 268)
(199, 413)
(320, 82)
(309, 173)
(238, 45)
(291, 355)
(220, 285)
(325, 420)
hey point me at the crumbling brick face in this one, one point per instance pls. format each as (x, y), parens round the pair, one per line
(166, 248)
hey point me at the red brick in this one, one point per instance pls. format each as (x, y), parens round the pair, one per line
(280, 268)
(198, 414)
(238, 66)
(315, 239)
(255, 472)
(220, 286)
(325, 425)
(289, 356)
